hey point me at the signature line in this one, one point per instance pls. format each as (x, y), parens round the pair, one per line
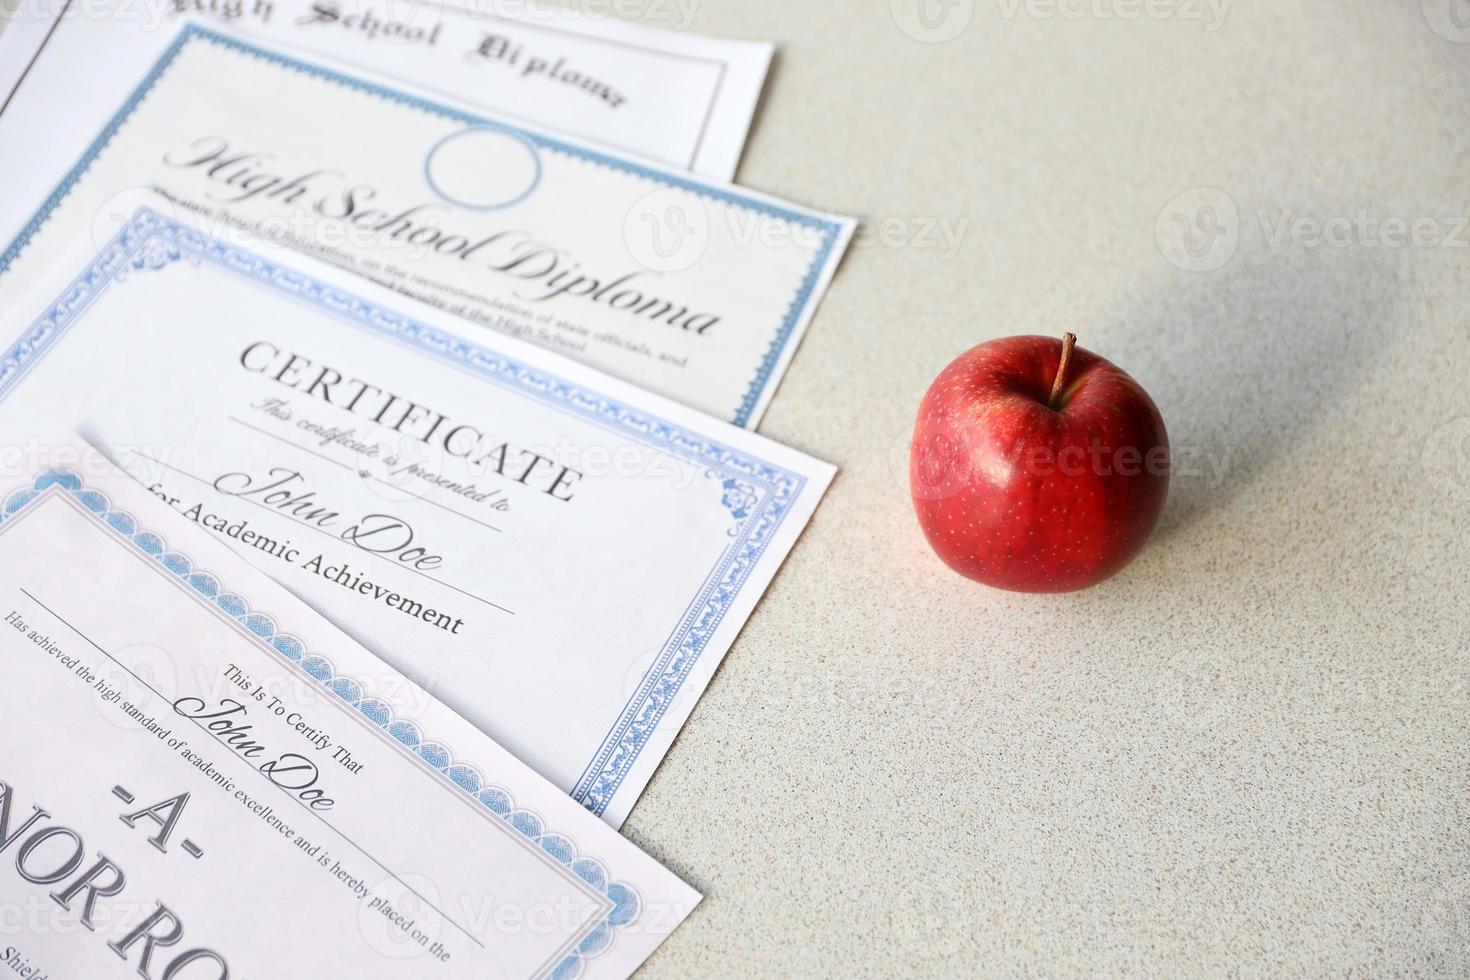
(326, 533)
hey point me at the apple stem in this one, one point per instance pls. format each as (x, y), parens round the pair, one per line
(1069, 340)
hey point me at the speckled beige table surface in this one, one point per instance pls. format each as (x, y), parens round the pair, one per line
(1245, 755)
(1248, 753)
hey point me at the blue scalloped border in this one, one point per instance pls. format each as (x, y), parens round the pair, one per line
(831, 231)
(758, 494)
(626, 901)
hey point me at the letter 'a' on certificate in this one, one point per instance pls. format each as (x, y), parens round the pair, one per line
(202, 778)
(692, 288)
(561, 557)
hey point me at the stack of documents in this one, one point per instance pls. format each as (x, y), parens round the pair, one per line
(380, 492)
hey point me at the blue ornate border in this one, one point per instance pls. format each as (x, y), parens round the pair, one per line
(758, 494)
(831, 231)
(627, 903)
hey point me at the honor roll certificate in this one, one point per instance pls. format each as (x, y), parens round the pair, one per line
(560, 557)
(200, 778)
(697, 290)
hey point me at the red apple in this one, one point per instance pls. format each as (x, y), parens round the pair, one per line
(1037, 466)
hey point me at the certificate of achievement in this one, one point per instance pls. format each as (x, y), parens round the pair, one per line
(694, 289)
(202, 779)
(560, 557)
(666, 94)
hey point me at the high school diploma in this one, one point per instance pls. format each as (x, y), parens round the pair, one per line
(689, 287)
